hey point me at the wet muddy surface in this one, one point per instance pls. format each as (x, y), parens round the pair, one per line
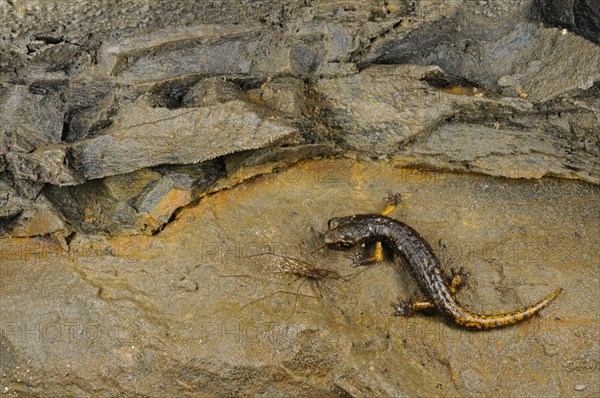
(191, 309)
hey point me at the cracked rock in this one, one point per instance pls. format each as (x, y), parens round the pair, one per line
(39, 219)
(285, 95)
(211, 91)
(46, 164)
(29, 120)
(11, 204)
(391, 111)
(580, 16)
(137, 137)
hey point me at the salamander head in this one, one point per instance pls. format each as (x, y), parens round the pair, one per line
(346, 232)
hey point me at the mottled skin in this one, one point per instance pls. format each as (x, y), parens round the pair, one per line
(346, 232)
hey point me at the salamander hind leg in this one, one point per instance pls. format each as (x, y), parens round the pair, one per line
(458, 279)
(408, 308)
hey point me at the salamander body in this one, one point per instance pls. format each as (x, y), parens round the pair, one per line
(346, 232)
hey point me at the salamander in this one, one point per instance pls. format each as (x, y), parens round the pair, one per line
(346, 232)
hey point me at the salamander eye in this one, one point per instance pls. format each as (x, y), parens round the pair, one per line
(333, 223)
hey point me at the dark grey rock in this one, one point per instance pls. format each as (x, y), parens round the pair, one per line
(341, 42)
(178, 186)
(211, 91)
(114, 94)
(548, 59)
(381, 112)
(512, 153)
(378, 109)
(579, 16)
(57, 60)
(90, 208)
(285, 95)
(11, 204)
(134, 203)
(86, 122)
(537, 61)
(136, 139)
(127, 187)
(47, 164)
(206, 50)
(91, 105)
(136, 96)
(28, 120)
(159, 202)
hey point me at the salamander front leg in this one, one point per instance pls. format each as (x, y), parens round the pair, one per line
(392, 201)
(408, 308)
(375, 257)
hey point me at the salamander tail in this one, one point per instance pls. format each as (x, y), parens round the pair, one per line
(478, 321)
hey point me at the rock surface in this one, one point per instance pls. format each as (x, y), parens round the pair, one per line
(158, 119)
(137, 137)
(479, 88)
(392, 111)
(473, 88)
(188, 312)
(580, 16)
